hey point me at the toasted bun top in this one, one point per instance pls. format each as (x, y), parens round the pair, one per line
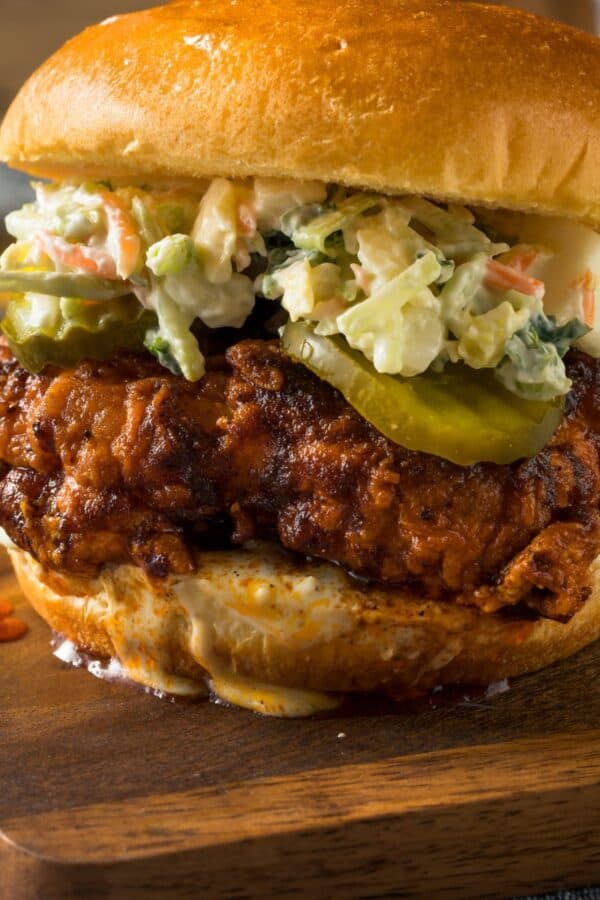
(450, 99)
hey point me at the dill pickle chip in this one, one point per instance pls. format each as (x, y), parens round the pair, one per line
(463, 415)
(47, 330)
(62, 284)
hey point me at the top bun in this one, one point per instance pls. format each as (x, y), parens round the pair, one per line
(454, 100)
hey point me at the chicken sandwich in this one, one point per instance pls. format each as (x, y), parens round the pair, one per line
(300, 378)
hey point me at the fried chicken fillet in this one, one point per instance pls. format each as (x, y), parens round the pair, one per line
(116, 462)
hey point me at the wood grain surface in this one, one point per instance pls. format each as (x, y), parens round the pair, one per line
(110, 792)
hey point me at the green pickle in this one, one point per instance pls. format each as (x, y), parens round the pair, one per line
(59, 284)
(462, 415)
(73, 329)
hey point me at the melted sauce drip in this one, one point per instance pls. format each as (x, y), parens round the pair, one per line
(348, 706)
(104, 669)
(263, 699)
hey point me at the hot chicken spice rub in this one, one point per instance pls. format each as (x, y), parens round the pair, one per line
(296, 411)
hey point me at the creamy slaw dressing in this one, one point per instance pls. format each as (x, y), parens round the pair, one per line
(411, 284)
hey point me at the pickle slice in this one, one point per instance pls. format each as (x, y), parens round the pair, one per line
(461, 414)
(62, 284)
(67, 331)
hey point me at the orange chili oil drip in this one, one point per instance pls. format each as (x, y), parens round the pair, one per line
(11, 628)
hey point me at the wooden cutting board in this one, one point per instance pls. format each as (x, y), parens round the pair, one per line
(106, 791)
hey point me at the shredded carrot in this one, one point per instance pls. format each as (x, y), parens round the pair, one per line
(246, 220)
(89, 260)
(506, 278)
(122, 239)
(587, 284)
(329, 308)
(589, 307)
(520, 258)
(362, 277)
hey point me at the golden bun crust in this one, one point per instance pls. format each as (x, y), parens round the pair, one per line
(438, 97)
(259, 620)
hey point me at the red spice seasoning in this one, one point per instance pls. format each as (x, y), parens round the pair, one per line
(11, 628)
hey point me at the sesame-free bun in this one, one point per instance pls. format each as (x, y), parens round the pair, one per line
(258, 623)
(439, 97)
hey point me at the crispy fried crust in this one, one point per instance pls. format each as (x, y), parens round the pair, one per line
(451, 99)
(117, 462)
(355, 641)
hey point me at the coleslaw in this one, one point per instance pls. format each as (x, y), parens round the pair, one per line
(413, 285)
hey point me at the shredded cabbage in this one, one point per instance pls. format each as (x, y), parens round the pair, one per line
(226, 305)
(409, 283)
(399, 327)
(386, 245)
(174, 330)
(303, 287)
(61, 284)
(74, 213)
(273, 198)
(171, 254)
(314, 234)
(533, 367)
(225, 231)
(455, 233)
(478, 325)
(179, 293)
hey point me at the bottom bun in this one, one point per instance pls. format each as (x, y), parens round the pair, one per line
(281, 636)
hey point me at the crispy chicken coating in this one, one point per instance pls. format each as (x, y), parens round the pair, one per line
(120, 461)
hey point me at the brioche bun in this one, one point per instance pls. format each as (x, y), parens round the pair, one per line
(454, 100)
(256, 622)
